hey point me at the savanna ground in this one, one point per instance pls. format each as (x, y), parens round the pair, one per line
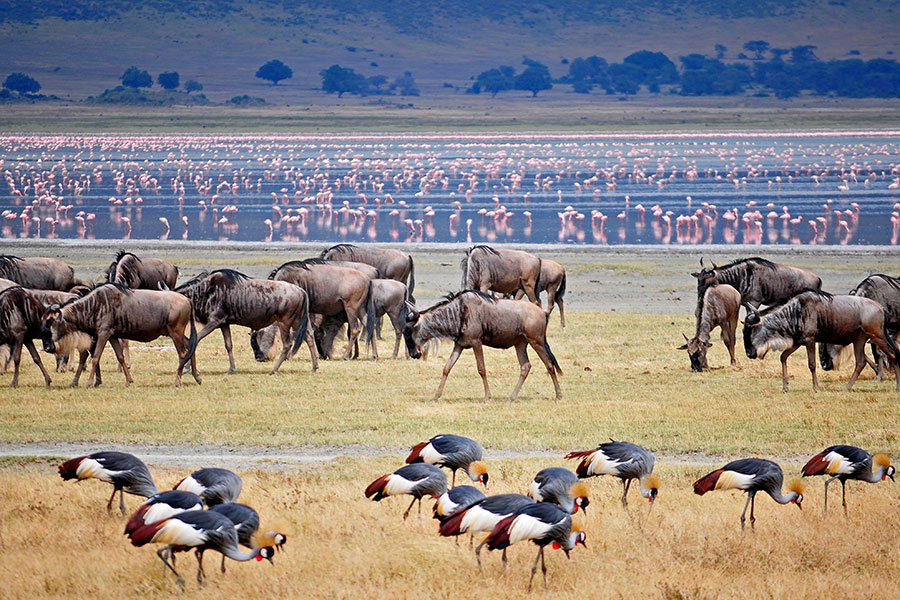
(622, 378)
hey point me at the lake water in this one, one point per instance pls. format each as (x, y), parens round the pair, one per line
(835, 188)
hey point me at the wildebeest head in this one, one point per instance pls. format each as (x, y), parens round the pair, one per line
(411, 332)
(832, 356)
(751, 326)
(262, 342)
(705, 276)
(60, 336)
(696, 352)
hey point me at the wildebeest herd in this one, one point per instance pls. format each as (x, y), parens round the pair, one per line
(301, 300)
(797, 313)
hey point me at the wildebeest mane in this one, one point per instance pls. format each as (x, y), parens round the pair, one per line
(129, 269)
(184, 287)
(340, 248)
(469, 264)
(298, 264)
(451, 296)
(9, 265)
(868, 283)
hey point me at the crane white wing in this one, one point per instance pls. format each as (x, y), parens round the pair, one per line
(176, 532)
(602, 465)
(430, 455)
(397, 485)
(838, 464)
(189, 484)
(477, 520)
(526, 527)
(730, 480)
(90, 467)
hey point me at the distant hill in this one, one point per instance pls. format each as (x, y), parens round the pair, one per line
(77, 48)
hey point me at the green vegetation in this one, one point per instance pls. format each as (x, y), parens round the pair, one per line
(136, 78)
(274, 71)
(21, 83)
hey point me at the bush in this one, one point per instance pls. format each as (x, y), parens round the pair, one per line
(245, 100)
(136, 78)
(19, 82)
(274, 71)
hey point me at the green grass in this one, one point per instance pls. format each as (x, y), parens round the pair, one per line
(623, 378)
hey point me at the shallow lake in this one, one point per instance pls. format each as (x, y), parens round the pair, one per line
(805, 188)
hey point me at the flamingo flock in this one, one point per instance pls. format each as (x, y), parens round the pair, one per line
(716, 189)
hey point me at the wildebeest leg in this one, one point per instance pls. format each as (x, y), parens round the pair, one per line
(562, 312)
(524, 368)
(545, 358)
(95, 361)
(398, 332)
(454, 356)
(784, 375)
(313, 353)
(37, 360)
(127, 352)
(180, 341)
(285, 330)
(729, 337)
(859, 352)
(811, 361)
(16, 357)
(82, 359)
(353, 329)
(120, 355)
(888, 354)
(479, 364)
(229, 348)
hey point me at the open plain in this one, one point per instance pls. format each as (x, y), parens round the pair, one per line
(307, 445)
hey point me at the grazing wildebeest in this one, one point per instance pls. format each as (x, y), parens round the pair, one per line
(225, 297)
(759, 281)
(816, 316)
(552, 281)
(21, 311)
(389, 297)
(37, 273)
(473, 319)
(367, 270)
(113, 312)
(331, 290)
(721, 305)
(391, 264)
(142, 273)
(6, 283)
(502, 271)
(884, 290)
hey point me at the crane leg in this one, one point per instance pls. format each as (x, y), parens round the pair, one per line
(752, 516)
(178, 577)
(626, 483)
(826, 491)
(453, 481)
(749, 496)
(478, 553)
(843, 495)
(201, 574)
(503, 558)
(406, 514)
(122, 501)
(111, 498)
(223, 564)
(544, 569)
(534, 566)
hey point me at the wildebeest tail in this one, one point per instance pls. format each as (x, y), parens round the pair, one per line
(562, 288)
(464, 265)
(302, 327)
(411, 285)
(890, 339)
(370, 314)
(192, 343)
(537, 281)
(553, 360)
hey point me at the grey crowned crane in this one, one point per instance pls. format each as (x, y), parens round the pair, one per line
(848, 462)
(751, 475)
(454, 500)
(417, 480)
(454, 452)
(161, 506)
(201, 530)
(246, 522)
(214, 486)
(126, 473)
(543, 524)
(482, 517)
(624, 460)
(561, 487)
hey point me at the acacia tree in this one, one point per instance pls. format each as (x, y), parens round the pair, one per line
(340, 80)
(405, 85)
(192, 85)
(169, 80)
(22, 83)
(534, 78)
(757, 46)
(274, 71)
(136, 78)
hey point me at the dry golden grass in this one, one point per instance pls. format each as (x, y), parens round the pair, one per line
(622, 377)
(56, 540)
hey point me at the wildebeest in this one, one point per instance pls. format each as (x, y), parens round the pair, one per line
(113, 312)
(502, 271)
(391, 264)
(473, 319)
(721, 307)
(331, 290)
(39, 273)
(388, 296)
(21, 311)
(226, 297)
(367, 270)
(552, 281)
(758, 280)
(142, 273)
(816, 316)
(884, 290)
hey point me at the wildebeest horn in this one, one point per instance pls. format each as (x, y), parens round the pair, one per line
(715, 266)
(413, 311)
(701, 261)
(163, 287)
(685, 337)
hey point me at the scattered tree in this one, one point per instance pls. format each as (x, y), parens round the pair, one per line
(777, 53)
(803, 54)
(720, 51)
(192, 85)
(169, 80)
(405, 85)
(22, 83)
(495, 80)
(375, 82)
(340, 80)
(534, 78)
(136, 78)
(757, 46)
(274, 71)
